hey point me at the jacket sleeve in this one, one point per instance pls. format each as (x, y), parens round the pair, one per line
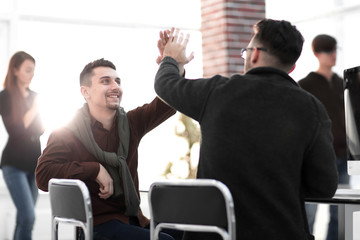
(320, 175)
(61, 159)
(185, 95)
(149, 116)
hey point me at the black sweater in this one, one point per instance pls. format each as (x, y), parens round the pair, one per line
(263, 136)
(23, 146)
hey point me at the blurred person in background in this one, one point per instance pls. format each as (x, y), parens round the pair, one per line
(20, 114)
(328, 87)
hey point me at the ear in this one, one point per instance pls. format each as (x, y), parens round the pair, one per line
(254, 58)
(85, 92)
(292, 69)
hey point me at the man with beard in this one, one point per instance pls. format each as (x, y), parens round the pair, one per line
(100, 147)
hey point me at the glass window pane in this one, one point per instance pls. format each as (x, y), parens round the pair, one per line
(140, 12)
(6, 6)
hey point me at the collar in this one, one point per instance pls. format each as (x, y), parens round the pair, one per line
(96, 123)
(271, 71)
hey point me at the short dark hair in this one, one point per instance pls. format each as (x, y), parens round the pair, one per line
(87, 72)
(281, 39)
(324, 43)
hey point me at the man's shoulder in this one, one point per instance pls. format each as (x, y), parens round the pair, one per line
(62, 133)
(317, 106)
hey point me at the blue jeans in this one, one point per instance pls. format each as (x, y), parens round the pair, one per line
(116, 230)
(24, 192)
(332, 233)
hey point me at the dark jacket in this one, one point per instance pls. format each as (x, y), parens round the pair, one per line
(331, 94)
(264, 137)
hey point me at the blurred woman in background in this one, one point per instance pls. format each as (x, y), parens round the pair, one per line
(20, 114)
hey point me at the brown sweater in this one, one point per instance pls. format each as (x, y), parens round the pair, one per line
(66, 157)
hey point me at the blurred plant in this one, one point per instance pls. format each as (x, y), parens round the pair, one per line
(183, 168)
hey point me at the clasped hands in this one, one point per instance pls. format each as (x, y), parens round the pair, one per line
(173, 44)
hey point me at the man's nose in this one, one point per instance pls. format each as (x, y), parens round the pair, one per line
(114, 84)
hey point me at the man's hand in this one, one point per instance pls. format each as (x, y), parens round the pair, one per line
(176, 47)
(164, 38)
(106, 183)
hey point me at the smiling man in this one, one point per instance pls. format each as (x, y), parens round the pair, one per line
(100, 147)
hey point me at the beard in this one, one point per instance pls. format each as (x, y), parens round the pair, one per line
(113, 103)
(113, 106)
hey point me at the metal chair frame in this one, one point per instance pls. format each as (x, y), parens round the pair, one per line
(71, 204)
(157, 224)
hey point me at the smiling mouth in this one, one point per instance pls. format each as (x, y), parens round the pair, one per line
(113, 96)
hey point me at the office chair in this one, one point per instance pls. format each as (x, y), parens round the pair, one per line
(71, 204)
(196, 205)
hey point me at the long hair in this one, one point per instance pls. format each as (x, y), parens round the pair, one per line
(18, 103)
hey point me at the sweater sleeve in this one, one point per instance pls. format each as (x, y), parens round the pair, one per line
(320, 176)
(64, 157)
(149, 116)
(185, 95)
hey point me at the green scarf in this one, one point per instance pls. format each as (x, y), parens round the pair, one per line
(115, 164)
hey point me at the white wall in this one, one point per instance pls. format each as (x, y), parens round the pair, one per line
(63, 36)
(338, 18)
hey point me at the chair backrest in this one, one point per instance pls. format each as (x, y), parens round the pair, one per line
(70, 203)
(200, 205)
